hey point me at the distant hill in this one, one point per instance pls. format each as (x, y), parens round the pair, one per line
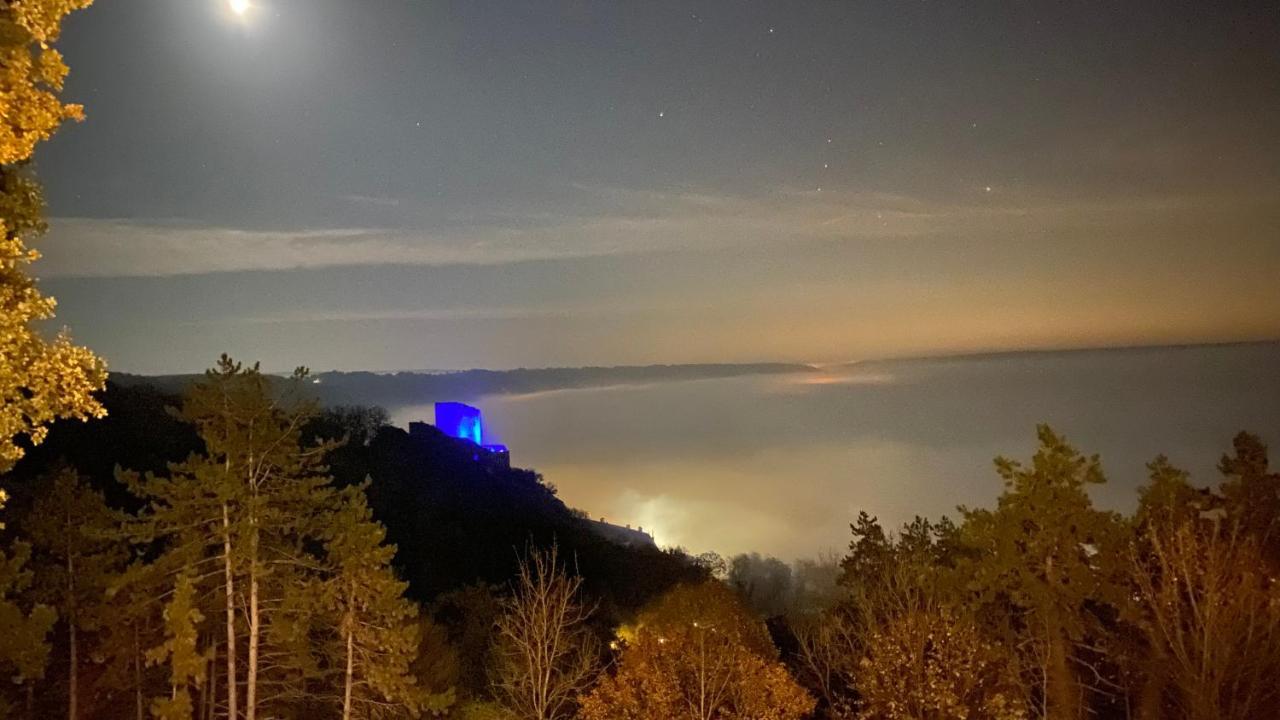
(417, 388)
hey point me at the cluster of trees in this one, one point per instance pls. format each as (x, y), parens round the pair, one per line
(241, 582)
(40, 380)
(299, 521)
(244, 582)
(1047, 607)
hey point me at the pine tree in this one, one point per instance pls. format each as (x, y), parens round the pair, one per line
(378, 637)
(253, 530)
(179, 651)
(1043, 562)
(244, 516)
(75, 557)
(24, 629)
(178, 534)
(135, 627)
(1253, 494)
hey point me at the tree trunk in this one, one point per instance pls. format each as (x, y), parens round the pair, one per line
(137, 674)
(212, 699)
(1062, 702)
(232, 695)
(73, 676)
(351, 674)
(255, 626)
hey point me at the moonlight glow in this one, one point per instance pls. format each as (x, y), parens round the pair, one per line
(239, 7)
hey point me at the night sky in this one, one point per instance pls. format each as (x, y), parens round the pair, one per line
(399, 185)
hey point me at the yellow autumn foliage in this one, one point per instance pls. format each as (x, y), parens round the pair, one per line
(40, 380)
(929, 663)
(698, 655)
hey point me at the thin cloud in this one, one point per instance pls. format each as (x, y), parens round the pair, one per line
(370, 200)
(438, 314)
(617, 222)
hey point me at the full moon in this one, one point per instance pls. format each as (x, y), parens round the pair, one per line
(239, 7)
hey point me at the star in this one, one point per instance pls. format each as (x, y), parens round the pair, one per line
(662, 113)
(770, 31)
(988, 188)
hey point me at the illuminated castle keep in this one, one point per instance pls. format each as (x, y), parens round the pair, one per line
(465, 422)
(461, 421)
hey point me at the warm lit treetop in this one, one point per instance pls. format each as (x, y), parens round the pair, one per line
(31, 75)
(707, 606)
(40, 381)
(698, 654)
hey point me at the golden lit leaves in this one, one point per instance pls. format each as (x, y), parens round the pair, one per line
(31, 74)
(40, 381)
(698, 654)
(926, 662)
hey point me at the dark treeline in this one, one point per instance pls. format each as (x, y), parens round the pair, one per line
(416, 388)
(366, 573)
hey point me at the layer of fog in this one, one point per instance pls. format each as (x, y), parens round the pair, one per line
(782, 464)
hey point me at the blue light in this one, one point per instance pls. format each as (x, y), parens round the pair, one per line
(461, 421)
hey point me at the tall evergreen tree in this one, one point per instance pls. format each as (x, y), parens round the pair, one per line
(76, 555)
(1045, 562)
(242, 516)
(253, 530)
(179, 652)
(377, 637)
(1252, 494)
(24, 628)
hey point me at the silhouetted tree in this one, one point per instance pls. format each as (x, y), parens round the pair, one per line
(1253, 494)
(765, 583)
(77, 552)
(24, 626)
(547, 654)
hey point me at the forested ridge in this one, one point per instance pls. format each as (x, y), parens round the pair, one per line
(1039, 605)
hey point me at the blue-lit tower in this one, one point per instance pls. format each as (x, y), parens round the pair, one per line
(461, 421)
(464, 422)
